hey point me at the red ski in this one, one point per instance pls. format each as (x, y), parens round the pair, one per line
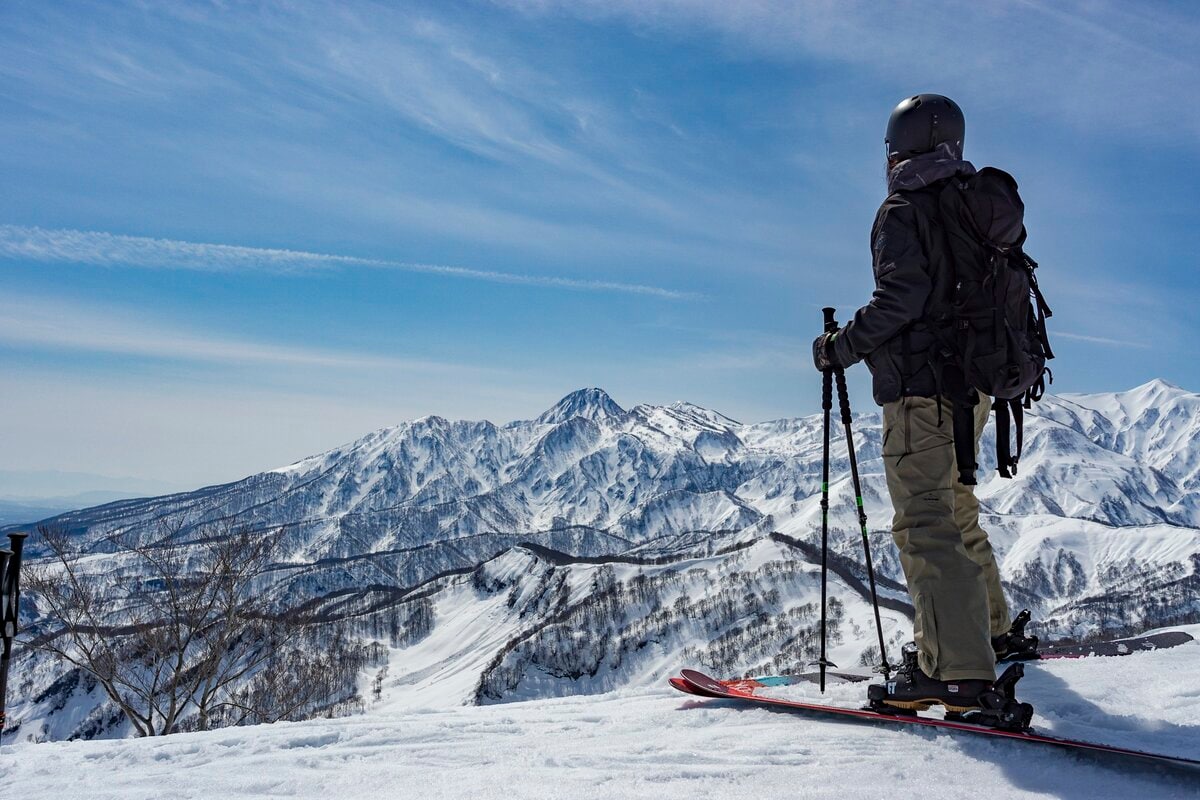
(697, 683)
(1047, 652)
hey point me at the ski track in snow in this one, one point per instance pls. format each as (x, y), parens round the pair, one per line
(656, 744)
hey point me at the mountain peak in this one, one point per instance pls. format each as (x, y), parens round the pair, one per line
(1152, 393)
(701, 413)
(1160, 385)
(591, 403)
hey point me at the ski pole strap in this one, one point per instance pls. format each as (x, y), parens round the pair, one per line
(963, 425)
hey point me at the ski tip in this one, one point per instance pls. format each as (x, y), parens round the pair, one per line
(703, 682)
(695, 676)
(679, 684)
(698, 683)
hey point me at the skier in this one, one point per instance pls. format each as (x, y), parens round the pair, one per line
(962, 624)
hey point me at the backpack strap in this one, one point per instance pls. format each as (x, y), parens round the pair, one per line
(1010, 416)
(1038, 389)
(963, 427)
(1043, 311)
(968, 354)
(1018, 415)
(1003, 453)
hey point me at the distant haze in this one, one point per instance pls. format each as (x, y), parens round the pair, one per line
(54, 487)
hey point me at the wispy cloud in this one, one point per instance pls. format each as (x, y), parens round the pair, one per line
(432, 76)
(1006, 51)
(397, 96)
(32, 321)
(1079, 337)
(114, 250)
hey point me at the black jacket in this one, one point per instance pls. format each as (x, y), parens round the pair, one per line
(909, 254)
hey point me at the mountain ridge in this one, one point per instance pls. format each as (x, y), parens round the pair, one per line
(686, 536)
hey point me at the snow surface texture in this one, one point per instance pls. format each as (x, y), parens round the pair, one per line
(656, 743)
(597, 548)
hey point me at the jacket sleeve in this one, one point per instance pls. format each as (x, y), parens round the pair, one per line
(902, 285)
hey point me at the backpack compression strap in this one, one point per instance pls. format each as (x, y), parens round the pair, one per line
(1010, 417)
(1042, 312)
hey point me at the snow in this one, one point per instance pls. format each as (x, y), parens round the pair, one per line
(593, 404)
(447, 663)
(1101, 529)
(656, 743)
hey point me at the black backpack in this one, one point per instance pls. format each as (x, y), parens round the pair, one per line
(989, 315)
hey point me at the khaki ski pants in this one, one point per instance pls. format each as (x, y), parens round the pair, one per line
(947, 560)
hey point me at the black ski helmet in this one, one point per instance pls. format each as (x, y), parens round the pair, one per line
(920, 123)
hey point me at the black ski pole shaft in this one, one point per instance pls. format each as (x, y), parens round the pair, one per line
(10, 599)
(844, 405)
(5, 637)
(826, 407)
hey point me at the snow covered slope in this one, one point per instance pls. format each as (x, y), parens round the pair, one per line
(652, 743)
(588, 478)
(596, 547)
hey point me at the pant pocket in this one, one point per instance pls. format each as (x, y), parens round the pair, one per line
(895, 429)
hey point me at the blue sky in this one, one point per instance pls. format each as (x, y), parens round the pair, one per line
(235, 234)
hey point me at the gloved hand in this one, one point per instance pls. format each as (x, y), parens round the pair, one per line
(824, 356)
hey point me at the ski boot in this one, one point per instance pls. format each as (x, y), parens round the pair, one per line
(912, 690)
(1015, 645)
(977, 701)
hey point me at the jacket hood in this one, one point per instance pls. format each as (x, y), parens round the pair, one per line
(920, 171)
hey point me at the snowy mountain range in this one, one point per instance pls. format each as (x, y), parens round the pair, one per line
(596, 547)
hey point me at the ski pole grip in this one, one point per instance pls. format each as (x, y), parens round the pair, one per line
(16, 543)
(10, 577)
(5, 555)
(830, 323)
(843, 394)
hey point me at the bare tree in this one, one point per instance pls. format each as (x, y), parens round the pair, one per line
(173, 628)
(318, 677)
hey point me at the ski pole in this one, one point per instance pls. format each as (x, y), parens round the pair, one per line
(826, 407)
(844, 404)
(10, 596)
(5, 555)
